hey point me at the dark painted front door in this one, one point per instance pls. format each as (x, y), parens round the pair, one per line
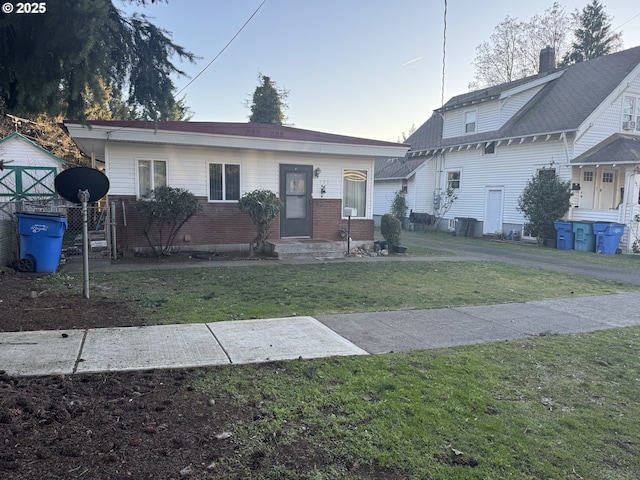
(295, 192)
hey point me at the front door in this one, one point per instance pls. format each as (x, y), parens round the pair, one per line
(587, 188)
(295, 192)
(493, 211)
(608, 189)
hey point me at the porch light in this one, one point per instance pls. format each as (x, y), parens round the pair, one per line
(317, 172)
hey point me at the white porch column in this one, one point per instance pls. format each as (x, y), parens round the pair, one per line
(631, 205)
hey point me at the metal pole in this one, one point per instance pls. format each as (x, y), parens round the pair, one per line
(83, 196)
(112, 224)
(349, 236)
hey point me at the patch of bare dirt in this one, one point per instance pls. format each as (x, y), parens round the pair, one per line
(138, 425)
(26, 304)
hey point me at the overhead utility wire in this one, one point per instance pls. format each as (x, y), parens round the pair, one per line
(444, 52)
(222, 51)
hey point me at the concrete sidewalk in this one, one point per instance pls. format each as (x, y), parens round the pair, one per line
(251, 341)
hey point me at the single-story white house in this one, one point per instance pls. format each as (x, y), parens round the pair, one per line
(315, 174)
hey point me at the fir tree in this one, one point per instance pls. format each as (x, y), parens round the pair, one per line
(593, 36)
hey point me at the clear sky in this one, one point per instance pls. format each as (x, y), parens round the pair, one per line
(366, 68)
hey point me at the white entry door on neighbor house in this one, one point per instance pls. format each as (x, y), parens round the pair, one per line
(493, 210)
(608, 189)
(587, 188)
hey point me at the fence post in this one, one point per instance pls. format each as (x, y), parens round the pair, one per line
(112, 224)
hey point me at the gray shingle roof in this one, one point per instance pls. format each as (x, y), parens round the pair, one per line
(563, 104)
(618, 148)
(396, 168)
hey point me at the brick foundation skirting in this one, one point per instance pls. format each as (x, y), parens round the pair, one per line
(222, 227)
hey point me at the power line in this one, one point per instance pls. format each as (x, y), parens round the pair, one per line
(623, 24)
(222, 51)
(444, 52)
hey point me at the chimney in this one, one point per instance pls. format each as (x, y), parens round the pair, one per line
(547, 60)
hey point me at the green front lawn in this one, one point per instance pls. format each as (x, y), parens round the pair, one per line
(266, 291)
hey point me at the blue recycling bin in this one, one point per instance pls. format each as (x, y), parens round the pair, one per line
(564, 235)
(584, 241)
(40, 240)
(608, 237)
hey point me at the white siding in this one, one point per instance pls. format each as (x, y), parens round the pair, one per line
(487, 119)
(491, 115)
(425, 185)
(510, 169)
(606, 121)
(511, 105)
(187, 168)
(21, 153)
(384, 193)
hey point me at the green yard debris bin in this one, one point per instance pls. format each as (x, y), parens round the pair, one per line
(40, 240)
(608, 237)
(585, 241)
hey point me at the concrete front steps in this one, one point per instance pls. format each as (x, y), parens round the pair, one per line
(305, 248)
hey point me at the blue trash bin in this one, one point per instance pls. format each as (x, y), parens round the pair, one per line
(608, 237)
(564, 232)
(585, 241)
(40, 240)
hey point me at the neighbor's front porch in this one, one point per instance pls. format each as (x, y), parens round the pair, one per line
(608, 194)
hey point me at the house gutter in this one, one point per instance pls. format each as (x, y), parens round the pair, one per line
(197, 139)
(520, 139)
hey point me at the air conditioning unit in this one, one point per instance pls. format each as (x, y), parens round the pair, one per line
(628, 125)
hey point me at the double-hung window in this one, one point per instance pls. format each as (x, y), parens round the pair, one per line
(470, 120)
(151, 175)
(224, 182)
(354, 191)
(453, 180)
(631, 113)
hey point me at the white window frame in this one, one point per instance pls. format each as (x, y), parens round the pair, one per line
(450, 181)
(546, 167)
(486, 146)
(367, 190)
(466, 122)
(224, 183)
(152, 161)
(634, 116)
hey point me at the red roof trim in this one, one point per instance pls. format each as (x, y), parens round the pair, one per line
(260, 130)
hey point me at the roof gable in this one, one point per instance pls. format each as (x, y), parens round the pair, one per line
(18, 137)
(563, 104)
(567, 102)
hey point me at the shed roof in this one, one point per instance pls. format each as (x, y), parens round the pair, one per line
(618, 148)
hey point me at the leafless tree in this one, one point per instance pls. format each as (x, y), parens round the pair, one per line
(513, 50)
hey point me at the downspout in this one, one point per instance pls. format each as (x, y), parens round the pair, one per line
(568, 163)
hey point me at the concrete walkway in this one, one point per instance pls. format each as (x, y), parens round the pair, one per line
(194, 345)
